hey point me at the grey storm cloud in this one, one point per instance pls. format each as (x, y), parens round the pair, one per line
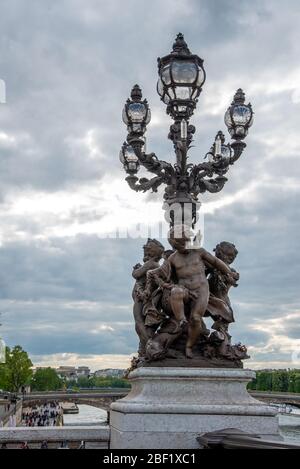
(68, 68)
(77, 290)
(80, 268)
(73, 332)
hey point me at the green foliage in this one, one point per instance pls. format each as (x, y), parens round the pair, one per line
(276, 380)
(291, 386)
(46, 379)
(107, 382)
(110, 382)
(71, 384)
(16, 371)
(264, 381)
(280, 381)
(297, 382)
(83, 382)
(252, 385)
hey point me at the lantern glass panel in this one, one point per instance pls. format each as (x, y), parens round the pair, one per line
(137, 112)
(240, 130)
(184, 72)
(195, 93)
(225, 151)
(130, 156)
(160, 87)
(227, 118)
(124, 116)
(171, 93)
(182, 92)
(201, 77)
(136, 127)
(241, 115)
(133, 166)
(148, 118)
(121, 156)
(165, 74)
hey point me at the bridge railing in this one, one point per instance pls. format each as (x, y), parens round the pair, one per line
(74, 395)
(14, 411)
(95, 437)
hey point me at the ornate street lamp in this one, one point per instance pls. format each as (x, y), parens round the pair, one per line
(136, 113)
(239, 116)
(176, 288)
(181, 77)
(129, 159)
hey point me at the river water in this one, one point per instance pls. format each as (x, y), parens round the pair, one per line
(88, 415)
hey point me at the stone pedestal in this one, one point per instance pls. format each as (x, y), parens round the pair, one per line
(169, 407)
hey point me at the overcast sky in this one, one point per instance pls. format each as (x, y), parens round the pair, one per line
(69, 66)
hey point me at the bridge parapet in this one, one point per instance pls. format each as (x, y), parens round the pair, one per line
(96, 437)
(102, 401)
(277, 397)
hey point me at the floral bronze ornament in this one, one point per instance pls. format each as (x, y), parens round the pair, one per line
(181, 77)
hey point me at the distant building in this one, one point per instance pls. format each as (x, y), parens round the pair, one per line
(67, 372)
(109, 373)
(83, 371)
(72, 373)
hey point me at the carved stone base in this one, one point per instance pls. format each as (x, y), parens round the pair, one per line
(170, 407)
(196, 362)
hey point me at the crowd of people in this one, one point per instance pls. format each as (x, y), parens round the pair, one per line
(44, 415)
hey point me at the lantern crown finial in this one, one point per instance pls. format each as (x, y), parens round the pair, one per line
(180, 46)
(239, 97)
(136, 93)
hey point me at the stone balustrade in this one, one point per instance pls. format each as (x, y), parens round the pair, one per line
(95, 437)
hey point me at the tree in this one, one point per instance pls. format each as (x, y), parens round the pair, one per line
(280, 381)
(111, 382)
(252, 386)
(297, 383)
(71, 383)
(3, 374)
(83, 382)
(276, 380)
(291, 387)
(46, 379)
(16, 371)
(264, 381)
